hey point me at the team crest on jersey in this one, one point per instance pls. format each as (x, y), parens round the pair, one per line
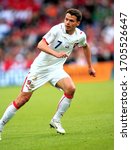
(28, 82)
(29, 85)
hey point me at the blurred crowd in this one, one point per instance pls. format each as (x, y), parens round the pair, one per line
(23, 23)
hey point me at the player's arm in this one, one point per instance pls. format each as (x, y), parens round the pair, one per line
(43, 46)
(87, 53)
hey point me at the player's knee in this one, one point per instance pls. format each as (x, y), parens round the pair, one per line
(71, 90)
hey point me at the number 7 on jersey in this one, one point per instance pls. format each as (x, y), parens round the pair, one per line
(59, 43)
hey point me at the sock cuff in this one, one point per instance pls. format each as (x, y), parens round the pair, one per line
(15, 105)
(68, 96)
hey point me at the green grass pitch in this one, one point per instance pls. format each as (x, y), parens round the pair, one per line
(89, 122)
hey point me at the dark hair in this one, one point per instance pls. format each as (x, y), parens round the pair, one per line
(75, 12)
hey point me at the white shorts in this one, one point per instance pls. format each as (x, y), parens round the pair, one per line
(35, 80)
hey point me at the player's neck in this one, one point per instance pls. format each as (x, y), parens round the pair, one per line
(70, 32)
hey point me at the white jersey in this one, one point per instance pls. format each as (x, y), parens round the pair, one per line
(58, 40)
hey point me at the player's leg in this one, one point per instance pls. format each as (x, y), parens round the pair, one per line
(67, 85)
(22, 98)
(32, 82)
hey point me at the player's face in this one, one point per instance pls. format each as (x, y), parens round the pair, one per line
(70, 23)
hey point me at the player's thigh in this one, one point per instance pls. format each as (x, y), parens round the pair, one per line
(66, 84)
(63, 81)
(35, 80)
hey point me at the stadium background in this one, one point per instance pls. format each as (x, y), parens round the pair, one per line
(23, 23)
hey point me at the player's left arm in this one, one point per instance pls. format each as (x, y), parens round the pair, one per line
(87, 53)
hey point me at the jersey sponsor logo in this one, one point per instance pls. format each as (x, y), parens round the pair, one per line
(67, 46)
(75, 44)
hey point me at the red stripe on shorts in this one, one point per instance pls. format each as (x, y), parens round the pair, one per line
(24, 83)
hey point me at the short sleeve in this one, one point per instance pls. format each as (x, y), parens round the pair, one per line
(50, 36)
(83, 41)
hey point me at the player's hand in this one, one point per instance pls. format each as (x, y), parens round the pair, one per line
(61, 55)
(92, 72)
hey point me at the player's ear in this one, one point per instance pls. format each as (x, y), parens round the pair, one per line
(78, 23)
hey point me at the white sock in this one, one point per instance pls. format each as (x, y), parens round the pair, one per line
(63, 105)
(8, 114)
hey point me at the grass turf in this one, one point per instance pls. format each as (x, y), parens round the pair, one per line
(89, 122)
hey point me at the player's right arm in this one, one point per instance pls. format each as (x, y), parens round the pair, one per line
(43, 46)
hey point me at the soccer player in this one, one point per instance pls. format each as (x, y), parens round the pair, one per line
(55, 47)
